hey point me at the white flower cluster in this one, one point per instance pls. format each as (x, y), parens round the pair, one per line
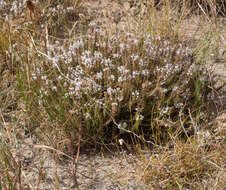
(2, 4)
(16, 8)
(102, 72)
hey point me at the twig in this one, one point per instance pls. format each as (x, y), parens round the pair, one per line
(203, 11)
(50, 148)
(182, 126)
(77, 154)
(193, 122)
(214, 164)
(128, 131)
(51, 59)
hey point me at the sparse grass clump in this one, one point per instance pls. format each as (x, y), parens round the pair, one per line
(10, 169)
(187, 165)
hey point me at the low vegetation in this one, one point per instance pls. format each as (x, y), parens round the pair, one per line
(74, 82)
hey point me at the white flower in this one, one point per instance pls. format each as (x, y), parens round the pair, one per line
(165, 110)
(139, 117)
(122, 46)
(121, 141)
(134, 57)
(34, 76)
(99, 75)
(44, 77)
(145, 72)
(87, 116)
(175, 88)
(135, 73)
(54, 88)
(135, 42)
(98, 55)
(114, 104)
(110, 91)
(116, 55)
(112, 77)
(70, 8)
(124, 125)
(92, 23)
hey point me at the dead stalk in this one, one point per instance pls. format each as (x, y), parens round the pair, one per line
(77, 154)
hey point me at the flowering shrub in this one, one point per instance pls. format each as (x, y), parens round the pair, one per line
(105, 83)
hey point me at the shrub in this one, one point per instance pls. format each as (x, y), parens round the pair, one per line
(101, 82)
